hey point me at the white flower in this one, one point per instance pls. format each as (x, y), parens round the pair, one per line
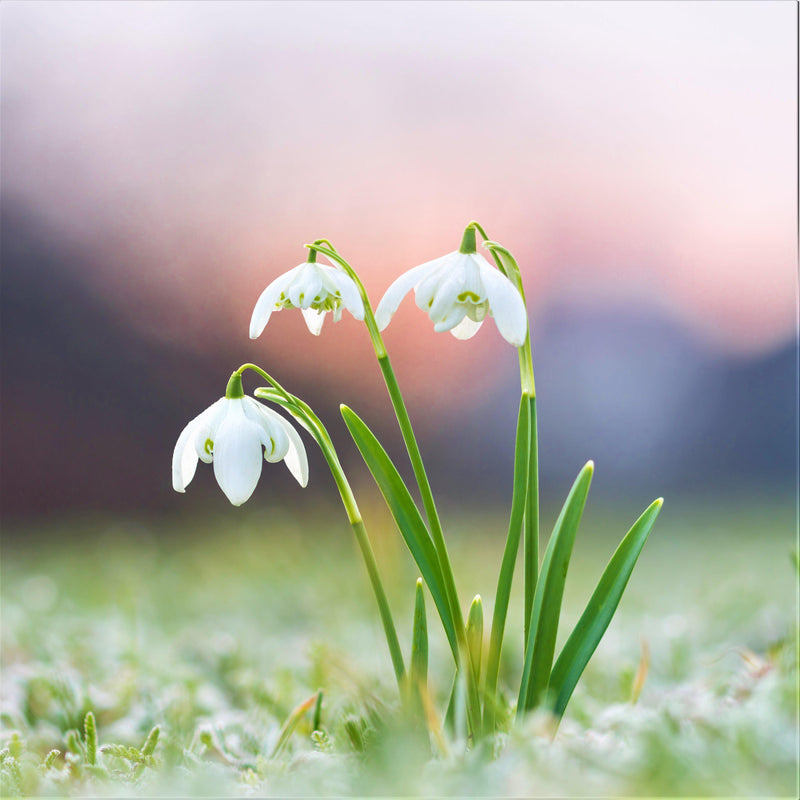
(458, 291)
(313, 288)
(232, 433)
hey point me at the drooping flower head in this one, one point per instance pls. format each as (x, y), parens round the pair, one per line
(232, 433)
(458, 291)
(315, 289)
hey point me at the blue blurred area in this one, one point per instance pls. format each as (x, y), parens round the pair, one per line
(91, 410)
(658, 411)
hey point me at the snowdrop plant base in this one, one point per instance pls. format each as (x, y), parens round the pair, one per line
(458, 292)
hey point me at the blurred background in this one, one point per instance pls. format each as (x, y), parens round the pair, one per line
(163, 162)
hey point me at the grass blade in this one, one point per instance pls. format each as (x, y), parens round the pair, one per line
(599, 610)
(406, 516)
(292, 721)
(549, 593)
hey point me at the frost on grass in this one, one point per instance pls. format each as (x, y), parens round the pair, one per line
(191, 658)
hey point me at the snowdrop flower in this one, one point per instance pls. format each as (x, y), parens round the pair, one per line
(458, 291)
(314, 288)
(231, 433)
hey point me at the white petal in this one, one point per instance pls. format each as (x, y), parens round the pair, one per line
(314, 319)
(296, 458)
(440, 270)
(237, 454)
(351, 297)
(506, 305)
(453, 317)
(271, 433)
(184, 456)
(466, 329)
(265, 304)
(398, 290)
(305, 287)
(205, 430)
(446, 297)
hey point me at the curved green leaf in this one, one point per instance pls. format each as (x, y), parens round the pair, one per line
(406, 516)
(599, 610)
(549, 593)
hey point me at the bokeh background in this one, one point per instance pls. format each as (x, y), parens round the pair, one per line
(162, 162)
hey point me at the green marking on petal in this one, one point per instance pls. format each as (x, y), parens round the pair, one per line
(473, 298)
(209, 447)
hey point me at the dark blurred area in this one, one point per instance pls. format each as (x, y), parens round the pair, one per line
(91, 409)
(163, 162)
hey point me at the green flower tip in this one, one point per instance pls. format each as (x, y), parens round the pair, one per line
(420, 583)
(234, 390)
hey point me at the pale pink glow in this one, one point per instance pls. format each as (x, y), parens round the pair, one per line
(645, 149)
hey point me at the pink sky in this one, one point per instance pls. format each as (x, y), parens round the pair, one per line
(643, 151)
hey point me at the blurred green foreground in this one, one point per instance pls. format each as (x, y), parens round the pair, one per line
(215, 629)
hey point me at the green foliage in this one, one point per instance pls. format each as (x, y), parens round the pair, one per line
(407, 517)
(183, 657)
(598, 613)
(419, 644)
(549, 593)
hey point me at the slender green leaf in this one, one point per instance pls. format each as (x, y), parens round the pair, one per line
(549, 593)
(599, 610)
(531, 541)
(406, 516)
(506, 576)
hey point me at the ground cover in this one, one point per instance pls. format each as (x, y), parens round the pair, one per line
(215, 629)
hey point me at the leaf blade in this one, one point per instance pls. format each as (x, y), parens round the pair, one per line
(406, 516)
(600, 609)
(549, 593)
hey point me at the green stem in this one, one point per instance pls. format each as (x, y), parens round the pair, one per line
(421, 477)
(508, 265)
(354, 515)
(325, 443)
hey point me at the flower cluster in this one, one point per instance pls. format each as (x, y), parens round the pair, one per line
(458, 291)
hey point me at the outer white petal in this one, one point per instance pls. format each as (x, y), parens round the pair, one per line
(237, 453)
(314, 319)
(506, 305)
(351, 297)
(296, 458)
(440, 270)
(398, 290)
(466, 329)
(266, 302)
(206, 428)
(272, 435)
(184, 456)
